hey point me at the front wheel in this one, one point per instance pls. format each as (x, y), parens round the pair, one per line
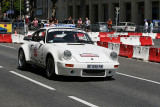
(22, 64)
(50, 68)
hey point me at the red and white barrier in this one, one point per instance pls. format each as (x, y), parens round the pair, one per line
(130, 41)
(18, 38)
(154, 54)
(141, 52)
(5, 38)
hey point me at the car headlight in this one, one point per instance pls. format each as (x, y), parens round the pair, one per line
(114, 56)
(67, 55)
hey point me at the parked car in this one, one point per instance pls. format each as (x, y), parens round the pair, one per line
(42, 21)
(67, 51)
(125, 27)
(99, 27)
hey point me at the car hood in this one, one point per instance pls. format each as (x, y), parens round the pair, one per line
(86, 52)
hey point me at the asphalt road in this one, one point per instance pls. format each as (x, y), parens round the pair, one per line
(137, 84)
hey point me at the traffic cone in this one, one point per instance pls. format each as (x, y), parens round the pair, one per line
(15, 32)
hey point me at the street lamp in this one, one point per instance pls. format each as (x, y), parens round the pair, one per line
(117, 11)
(20, 10)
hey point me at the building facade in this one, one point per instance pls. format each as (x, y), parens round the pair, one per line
(43, 9)
(100, 10)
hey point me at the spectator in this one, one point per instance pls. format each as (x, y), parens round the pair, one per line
(35, 23)
(146, 26)
(151, 27)
(55, 21)
(79, 22)
(87, 22)
(70, 21)
(48, 20)
(26, 23)
(109, 23)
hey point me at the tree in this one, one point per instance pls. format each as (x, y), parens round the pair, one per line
(7, 5)
(54, 8)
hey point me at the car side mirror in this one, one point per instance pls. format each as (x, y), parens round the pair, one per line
(41, 42)
(27, 38)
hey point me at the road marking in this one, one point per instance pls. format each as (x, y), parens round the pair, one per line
(7, 46)
(82, 101)
(1, 67)
(36, 82)
(139, 78)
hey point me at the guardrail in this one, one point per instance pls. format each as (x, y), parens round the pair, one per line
(92, 28)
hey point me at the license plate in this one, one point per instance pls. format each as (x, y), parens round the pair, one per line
(95, 66)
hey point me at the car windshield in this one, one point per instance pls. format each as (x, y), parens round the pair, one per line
(68, 37)
(121, 24)
(130, 24)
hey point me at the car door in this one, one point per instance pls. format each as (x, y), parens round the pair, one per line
(39, 46)
(33, 49)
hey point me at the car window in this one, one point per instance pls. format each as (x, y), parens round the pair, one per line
(44, 21)
(103, 23)
(67, 37)
(35, 37)
(41, 35)
(121, 24)
(130, 24)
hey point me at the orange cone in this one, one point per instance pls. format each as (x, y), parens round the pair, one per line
(15, 32)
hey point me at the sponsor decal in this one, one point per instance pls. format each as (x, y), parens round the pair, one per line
(88, 55)
(35, 52)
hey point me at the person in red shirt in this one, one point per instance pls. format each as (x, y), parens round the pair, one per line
(35, 23)
(26, 23)
(79, 22)
(109, 23)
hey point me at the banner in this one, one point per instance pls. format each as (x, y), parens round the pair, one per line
(7, 26)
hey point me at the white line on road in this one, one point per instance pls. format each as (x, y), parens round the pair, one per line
(1, 67)
(82, 101)
(36, 82)
(139, 78)
(7, 46)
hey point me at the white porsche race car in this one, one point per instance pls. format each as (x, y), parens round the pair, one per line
(68, 52)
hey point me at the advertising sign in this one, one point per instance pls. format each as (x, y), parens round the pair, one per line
(7, 26)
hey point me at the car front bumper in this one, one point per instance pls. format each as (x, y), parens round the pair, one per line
(81, 69)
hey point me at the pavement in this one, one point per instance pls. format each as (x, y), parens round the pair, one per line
(137, 84)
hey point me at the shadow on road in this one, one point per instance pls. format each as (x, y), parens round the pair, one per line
(41, 72)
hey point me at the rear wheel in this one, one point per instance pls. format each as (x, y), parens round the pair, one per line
(22, 64)
(50, 68)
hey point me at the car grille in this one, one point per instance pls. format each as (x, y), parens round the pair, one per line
(93, 73)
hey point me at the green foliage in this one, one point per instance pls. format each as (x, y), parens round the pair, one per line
(17, 5)
(6, 5)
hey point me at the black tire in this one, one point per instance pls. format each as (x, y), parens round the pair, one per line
(50, 68)
(22, 64)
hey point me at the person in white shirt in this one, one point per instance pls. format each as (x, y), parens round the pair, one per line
(146, 26)
(151, 27)
(87, 22)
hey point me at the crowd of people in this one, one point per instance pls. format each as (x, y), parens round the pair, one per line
(85, 25)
